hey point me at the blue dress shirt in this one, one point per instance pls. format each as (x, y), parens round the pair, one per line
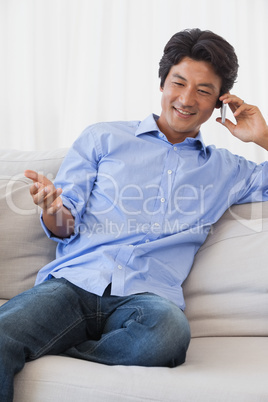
(144, 206)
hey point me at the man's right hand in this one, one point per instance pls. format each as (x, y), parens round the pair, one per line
(44, 193)
(57, 218)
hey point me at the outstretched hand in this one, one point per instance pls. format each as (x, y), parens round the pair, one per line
(250, 124)
(44, 193)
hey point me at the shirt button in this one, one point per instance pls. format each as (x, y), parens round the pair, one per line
(175, 148)
(169, 171)
(147, 241)
(119, 266)
(162, 200)
(156, 225)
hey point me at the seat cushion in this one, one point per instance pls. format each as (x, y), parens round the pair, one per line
(216, 370)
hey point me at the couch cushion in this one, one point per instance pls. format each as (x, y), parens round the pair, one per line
(216, 369)
(24, 248)
(227, 290)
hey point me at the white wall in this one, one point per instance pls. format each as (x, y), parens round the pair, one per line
(68, 63)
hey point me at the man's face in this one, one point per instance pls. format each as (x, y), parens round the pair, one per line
(189, 96)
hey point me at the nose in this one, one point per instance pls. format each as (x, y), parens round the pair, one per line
(187, 97)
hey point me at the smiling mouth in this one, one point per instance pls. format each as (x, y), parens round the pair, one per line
(184, 112)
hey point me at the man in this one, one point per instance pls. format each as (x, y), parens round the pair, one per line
(131, 205)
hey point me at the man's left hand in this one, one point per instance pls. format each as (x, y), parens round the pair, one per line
(250, 124)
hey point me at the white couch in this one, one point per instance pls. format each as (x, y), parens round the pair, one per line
(226, 296)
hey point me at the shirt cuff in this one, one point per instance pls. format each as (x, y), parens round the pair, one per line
(51, 235)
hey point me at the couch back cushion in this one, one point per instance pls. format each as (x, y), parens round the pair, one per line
(24, 248)
(227, 290)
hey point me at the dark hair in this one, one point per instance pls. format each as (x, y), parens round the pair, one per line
(201, 46)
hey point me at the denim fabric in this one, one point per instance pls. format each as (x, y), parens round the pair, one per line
(56, 317)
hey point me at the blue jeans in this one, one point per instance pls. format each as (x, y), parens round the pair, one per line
(56, 317)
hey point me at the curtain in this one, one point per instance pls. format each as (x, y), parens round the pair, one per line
(66, 64)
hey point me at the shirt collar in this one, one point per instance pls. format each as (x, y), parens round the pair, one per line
(149, 125)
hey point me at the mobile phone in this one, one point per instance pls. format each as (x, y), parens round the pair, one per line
(223, 112)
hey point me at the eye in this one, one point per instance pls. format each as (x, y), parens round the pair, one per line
(204, 92)
(180, 84)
